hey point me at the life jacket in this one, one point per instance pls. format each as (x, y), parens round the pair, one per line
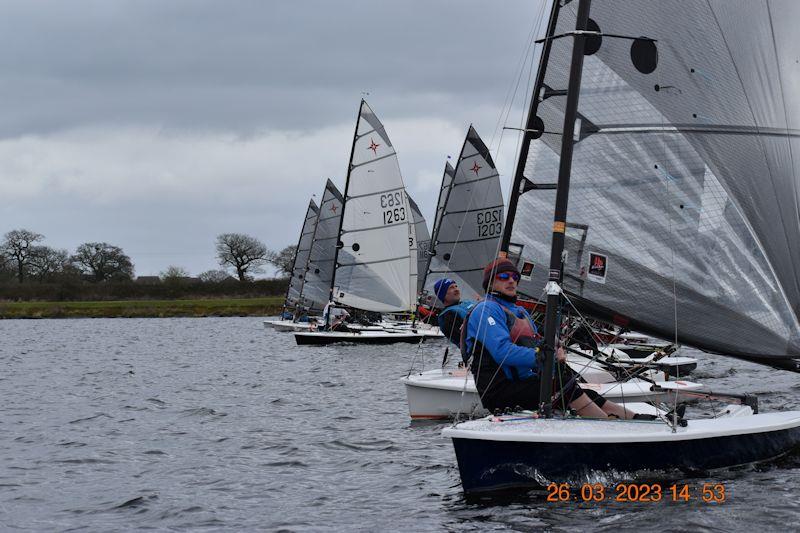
(462, 309)
(522, 333)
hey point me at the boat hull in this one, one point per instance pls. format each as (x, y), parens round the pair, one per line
(486, 464)
(442, 394)
(287, 325)
(366, 337)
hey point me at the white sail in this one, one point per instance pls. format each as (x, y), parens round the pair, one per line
(373, 268)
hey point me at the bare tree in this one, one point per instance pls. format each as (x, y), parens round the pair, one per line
(44, 262)
(284, 260)
(174, 274)
(244, 253)
(103, 261)
(16, 247)
(215, 276)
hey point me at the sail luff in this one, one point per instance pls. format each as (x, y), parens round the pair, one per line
(444, 190)
(344, 204)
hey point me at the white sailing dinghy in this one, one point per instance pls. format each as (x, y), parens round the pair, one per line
(293, 302)
(669, 231)
(376, 258)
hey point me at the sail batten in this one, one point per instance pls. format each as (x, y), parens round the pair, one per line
(684, 180)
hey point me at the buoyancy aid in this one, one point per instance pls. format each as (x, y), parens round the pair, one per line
(462, 309)
(522, 332)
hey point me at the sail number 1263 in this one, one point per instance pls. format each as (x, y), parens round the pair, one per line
(393, 207)
(636, 492)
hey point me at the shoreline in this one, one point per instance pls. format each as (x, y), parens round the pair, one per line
(266, 306)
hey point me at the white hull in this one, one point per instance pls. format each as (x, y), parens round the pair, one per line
(287, 325)
(365, 337)
(440, 394)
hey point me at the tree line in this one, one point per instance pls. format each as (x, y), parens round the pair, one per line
(23, 257)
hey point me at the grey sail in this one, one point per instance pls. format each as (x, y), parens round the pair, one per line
(423, 241)
(319, 275)
(447, 181)
(468, 233)
(373, 266)
(684, 195)
(302, 253)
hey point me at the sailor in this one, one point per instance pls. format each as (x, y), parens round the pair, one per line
(334, 318)
(503, 342)
(455, 310)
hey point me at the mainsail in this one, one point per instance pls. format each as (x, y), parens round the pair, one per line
(316, 289)
(469, 228)
(373, 266)
(302, 253)
(422, 243)
(684, 197)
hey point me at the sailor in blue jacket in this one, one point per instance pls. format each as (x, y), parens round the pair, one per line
(451, 318)
(503, 343)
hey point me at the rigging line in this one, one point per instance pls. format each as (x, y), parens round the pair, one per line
(628, 374)
(514, 86)
(766, 159)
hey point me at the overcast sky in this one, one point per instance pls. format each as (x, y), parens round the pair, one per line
(157, 125)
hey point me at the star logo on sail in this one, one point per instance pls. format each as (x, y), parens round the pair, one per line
(333, 208)
(476, 167)
(373, 146)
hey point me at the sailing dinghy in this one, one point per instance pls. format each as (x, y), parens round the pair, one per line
(376, 257)
(673, 140)
(293, 303)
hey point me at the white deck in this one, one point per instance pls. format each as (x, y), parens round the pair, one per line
(617, 431)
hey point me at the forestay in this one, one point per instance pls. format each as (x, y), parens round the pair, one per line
(684, 189)
(319, 275)
(302, 253)
(467, 235)
(373, 266)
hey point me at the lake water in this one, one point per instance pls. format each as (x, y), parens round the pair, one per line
(218, 423)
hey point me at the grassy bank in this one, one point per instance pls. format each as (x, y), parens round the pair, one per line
(143, 308)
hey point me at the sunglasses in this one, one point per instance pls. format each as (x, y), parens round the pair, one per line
(505, 276)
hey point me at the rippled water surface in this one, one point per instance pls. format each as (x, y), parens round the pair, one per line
(218, 423)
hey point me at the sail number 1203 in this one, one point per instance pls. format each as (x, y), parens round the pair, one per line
(636, 492)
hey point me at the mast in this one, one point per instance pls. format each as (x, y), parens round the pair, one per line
(344, 203)
(553, 288)
(531, 132)
(440, 205)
